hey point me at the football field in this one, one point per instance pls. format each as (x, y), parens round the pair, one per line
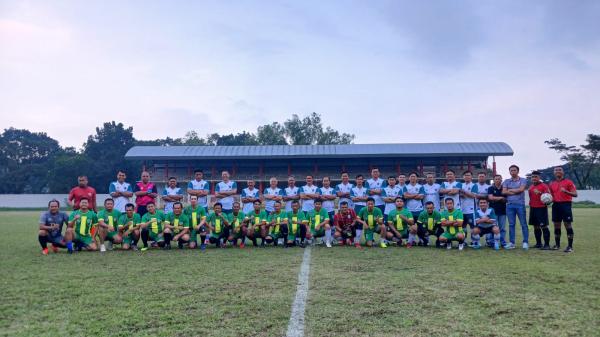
(249, 292)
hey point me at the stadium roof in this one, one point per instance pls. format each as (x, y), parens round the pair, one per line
(311, 151)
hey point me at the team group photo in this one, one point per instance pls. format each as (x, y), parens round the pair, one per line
(278, 168)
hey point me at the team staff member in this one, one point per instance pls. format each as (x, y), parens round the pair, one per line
(145, 192)
(120, 191)
(538, 211)
(200, 188)
(82, 191)
(498, 203)
(563, 191)
(51, 224)
(514, 190)
(224, 192)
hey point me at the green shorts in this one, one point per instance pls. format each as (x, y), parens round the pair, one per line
(127, 240)
(451, 237)
(111, 235)
(158, 237)
(317, 233)
(275, 236)
(369, 234)
(83, 239)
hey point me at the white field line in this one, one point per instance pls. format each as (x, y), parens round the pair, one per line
(296, 324)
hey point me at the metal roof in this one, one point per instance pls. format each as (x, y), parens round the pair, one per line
(311, 151)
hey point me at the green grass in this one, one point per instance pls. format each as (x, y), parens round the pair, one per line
(232, 292)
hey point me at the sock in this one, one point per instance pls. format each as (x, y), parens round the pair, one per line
(180, 243)
(475, 238)
(284, 232)
(302, 233)
(570, 236)
(358, 236)
(254, 243)
(546, 233)
(168, 238)
(460, 241)
(43, 241)
(538, 235)
(70, 245)
(557, 236)
(145, 236)
(328, 236)
(497, 237)
(203, 238)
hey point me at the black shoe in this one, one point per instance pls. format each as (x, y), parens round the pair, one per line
(555, 247)
(538, 246)
(168, 246)
(546, 247)
(569, 249)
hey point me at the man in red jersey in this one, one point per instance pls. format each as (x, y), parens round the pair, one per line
(562, 190)
(145, 193)
(82, 191)
(538, 211)
(346, 225)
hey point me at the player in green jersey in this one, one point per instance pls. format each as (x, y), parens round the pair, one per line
(452, 220)
(257, 221)
(107, 224)
(401, 224)
(129, 225)
(319, 223)
(238, 225)
(152, 226)
(177, 227)
(197, 215)
(371, 218)
(277, 225)
(429, 223)
(218, 223)
(297, 225)
(82, 221)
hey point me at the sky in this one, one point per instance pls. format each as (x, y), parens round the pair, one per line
(387, 71)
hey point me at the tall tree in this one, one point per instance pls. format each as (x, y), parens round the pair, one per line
(106, 149)
(25, 158)
(271, 134)
(583, 160)
(309, 131)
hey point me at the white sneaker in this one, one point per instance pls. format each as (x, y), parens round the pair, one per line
(328, 244)
(525, 245)
(461, 246)
(102, 248)
(449, 246)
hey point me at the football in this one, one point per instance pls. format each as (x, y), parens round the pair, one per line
(546, 198)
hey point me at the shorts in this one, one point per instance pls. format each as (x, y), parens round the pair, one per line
(451, 237)
(56, 240)
(141, 210)
(111, 235)
(485, 230)
(369, 235)
(83, 240)
(239, 234)
(562, 212)
(275, 236)
(158, 237)
(468, 220)
(127, 240)
(538, 216)
(318, 233)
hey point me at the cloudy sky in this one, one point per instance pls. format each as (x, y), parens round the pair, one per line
(388, 71)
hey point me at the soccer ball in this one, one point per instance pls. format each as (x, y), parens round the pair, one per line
(546, 198)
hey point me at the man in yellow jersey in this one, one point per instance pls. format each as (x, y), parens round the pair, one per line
(107, 224)
(82, 221)
(452, 220)
(153, 226)
(197, 215)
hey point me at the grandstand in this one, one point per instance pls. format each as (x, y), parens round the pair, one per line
(262, 162)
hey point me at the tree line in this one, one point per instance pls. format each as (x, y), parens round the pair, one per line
(33, 162)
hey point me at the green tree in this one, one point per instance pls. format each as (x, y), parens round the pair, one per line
(583, 160)
(25, 158)
(309, 131)
(271, 134)
(244, 138)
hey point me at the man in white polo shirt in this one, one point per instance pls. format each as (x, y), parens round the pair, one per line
(249, 194)
(291, 193)
(309, 193)
(200, 188)
(224, 192)
(343, 189)
(120, 191)
(375, 186)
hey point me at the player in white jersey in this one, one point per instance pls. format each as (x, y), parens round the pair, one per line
(224, 192)
(309, 193)
(249, 194)
(414, 193)
(171, 194)
(328, 196)
(200, 188)
(467, 201)
(359, 194)
(343, 189)
(120, 191)
(272, 194)
(291, 193)
(401, 181)
(451, 189)
(432, 191)
(482, 187)
(390, 192)
(375, 186)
